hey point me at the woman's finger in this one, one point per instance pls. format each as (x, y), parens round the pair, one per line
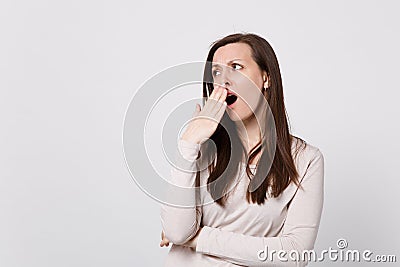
(210, 103)
(216, 103)
(220, 101)
(196, 111)
(164, 242)
(223, 95)
(214, 92)
(221, 111)
(218, 94)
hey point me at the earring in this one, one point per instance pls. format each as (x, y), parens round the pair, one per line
(265, 82)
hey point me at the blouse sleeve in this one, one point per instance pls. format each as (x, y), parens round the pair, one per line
(181, 223)
(299, 230)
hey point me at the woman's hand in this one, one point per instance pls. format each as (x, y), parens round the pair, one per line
(191, 243)
(164, 240)
(205, 121)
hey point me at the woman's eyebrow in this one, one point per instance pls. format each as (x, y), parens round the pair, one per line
(229, 62)
(236, 59)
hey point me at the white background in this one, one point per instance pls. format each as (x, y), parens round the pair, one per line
(68, 70)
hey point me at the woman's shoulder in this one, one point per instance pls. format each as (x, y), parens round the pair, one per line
(305, 152)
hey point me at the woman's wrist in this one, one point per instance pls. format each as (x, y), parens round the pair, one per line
(193, 242)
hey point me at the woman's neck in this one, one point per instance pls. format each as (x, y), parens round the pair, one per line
(250, 134)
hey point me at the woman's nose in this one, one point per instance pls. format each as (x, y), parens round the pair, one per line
(223, 79)
(222, 84)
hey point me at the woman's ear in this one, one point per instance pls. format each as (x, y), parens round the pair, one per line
(265, 80)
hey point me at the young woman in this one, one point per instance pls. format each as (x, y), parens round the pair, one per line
(266, 185)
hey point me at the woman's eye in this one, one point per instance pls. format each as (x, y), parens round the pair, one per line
(215, 72)
(236, 66)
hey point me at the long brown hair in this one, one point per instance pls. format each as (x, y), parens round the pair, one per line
(224, 167)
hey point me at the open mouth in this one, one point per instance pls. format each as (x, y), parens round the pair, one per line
(230, 99)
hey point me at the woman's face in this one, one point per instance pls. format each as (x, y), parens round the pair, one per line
(234, 68)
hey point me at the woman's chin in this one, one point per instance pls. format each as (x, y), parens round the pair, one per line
(234, 116)
(237, 116)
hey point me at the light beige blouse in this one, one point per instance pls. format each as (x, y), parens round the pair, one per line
(234, 235)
